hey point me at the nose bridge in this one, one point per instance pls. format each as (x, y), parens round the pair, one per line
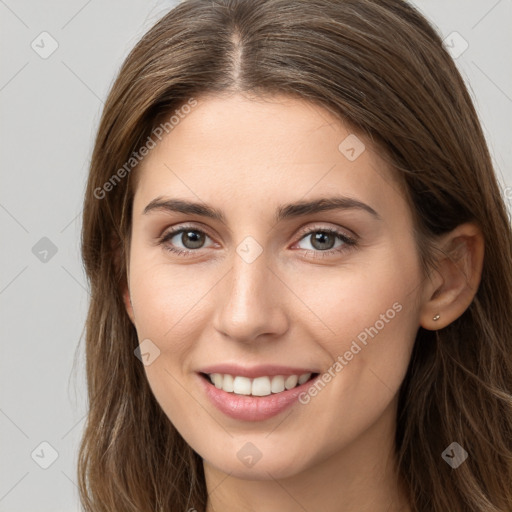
(250, 303)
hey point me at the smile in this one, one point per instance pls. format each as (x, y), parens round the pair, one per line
(257, 397)
(259, 386)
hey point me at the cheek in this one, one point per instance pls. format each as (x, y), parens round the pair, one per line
(168, 303)
(168, 300)
(366, 312)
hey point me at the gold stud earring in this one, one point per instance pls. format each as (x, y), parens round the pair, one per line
(437, 317)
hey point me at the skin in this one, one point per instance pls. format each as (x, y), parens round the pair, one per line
(246, 156)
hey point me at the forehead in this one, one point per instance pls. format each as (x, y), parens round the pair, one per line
(262, 149)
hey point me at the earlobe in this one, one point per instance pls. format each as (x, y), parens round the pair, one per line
(456, 278)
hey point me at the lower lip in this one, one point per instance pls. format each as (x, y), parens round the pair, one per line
(253, 408)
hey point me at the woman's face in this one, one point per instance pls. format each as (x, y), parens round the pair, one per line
(274, 287)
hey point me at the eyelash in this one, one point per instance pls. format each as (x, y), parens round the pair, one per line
(348, 242)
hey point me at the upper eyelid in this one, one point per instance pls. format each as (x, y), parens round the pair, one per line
(340, 230)
(303, 231)
(182, 227)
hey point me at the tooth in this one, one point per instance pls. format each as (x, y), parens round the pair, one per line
(304, 378)
(216, 379)
(291, 381)
(261, 386)
(277, 384)
(242, 385)
(227, 384)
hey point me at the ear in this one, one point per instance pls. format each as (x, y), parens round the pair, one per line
(454, 283)
(124, 288)
(128, 302)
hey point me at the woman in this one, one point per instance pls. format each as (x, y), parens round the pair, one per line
(300, 266)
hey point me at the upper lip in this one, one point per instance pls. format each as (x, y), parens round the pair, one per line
(255, 371)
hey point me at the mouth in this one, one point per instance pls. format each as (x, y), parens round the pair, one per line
(261, 386)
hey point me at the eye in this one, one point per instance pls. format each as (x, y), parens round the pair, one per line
(323, 241)
(190, 238)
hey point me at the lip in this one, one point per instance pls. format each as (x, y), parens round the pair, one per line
(252, 408)
(255, 371)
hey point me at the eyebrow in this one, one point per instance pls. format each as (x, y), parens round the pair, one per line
(283, 212)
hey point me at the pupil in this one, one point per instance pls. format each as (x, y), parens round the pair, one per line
(196, 242)
(320, 238)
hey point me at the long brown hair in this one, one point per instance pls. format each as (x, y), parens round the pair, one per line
(379, 66)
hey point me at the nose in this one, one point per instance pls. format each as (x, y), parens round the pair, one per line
(251, 301)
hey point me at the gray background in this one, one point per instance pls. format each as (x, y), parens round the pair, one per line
(50, 108)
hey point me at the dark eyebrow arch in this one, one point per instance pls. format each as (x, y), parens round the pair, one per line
(287, 211)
